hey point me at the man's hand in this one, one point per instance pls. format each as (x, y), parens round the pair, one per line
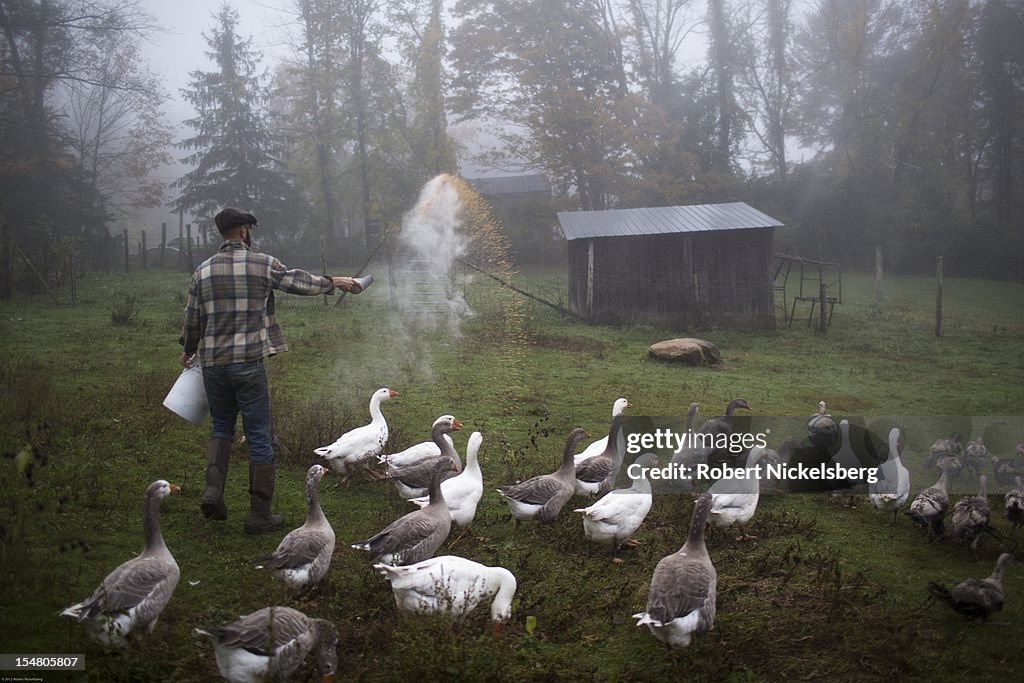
(346, 284)
(185, 360)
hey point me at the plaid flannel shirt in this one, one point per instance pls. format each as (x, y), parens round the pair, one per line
(229, 317)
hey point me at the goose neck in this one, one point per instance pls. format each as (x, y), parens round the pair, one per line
(501, 607)
(376, 416)
(154, 540)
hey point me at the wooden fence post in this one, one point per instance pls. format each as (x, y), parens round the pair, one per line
(144, 254)
(938, 297)
(74, 283)
(106, 249)
(163, 243)
(181, 239)
(126, 250)
(8, 262)
(188, 241)
(878, 274)
(323, 262)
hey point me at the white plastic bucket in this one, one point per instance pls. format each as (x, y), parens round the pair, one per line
(187, 397)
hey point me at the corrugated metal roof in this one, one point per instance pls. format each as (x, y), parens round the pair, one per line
(659, 220)
(511, 185)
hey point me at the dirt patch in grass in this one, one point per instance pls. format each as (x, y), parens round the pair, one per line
(566, 343)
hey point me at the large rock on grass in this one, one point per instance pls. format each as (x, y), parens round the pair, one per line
(688, 350)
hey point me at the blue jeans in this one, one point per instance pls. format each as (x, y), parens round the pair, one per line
(241, 388)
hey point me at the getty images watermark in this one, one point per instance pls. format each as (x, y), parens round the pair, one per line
(787, 455)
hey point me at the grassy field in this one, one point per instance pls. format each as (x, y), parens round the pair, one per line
(826, 591)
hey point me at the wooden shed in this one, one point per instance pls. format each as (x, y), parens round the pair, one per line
(673, 266)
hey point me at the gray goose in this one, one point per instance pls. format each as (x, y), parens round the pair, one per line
(593, 474)
(975, 456)
(1007, 469)
(413, 480)
(723, 424)
(930, 506)
(688, 455)
(975, 598)
(543, 497)
(948, 452)
(270, 645)
(971, 517)
(131, 598)
(417, 535)
(683, 591)
(822, 429)
(1015, 505)
(303, 556)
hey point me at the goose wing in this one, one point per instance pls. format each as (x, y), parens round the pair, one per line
(534, 491)
(143, 583)
(264, 631)
(410, 536)
(594, 470)
(299, 548)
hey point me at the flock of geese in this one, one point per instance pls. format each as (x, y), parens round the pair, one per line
(271, 643)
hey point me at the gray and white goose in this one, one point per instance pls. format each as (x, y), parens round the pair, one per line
(947, 454)
(975, 456)
(929, 507)
(689, 455)
(597, 447)
(543, 497)
(971, 516)
(417, 535)
(131, 598)
(684, 587)
(593, 474)
(304, 555)
(822, 428)
(1014, 500)
(975, 598)
(413, 480)
(270, 644)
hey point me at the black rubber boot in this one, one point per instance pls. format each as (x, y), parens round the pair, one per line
(261, 495)
(218, 453)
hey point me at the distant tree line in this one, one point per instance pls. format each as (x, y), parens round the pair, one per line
(858, 123)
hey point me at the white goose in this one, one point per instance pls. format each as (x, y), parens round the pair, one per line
(734, 500)
(615, 517)
(451, 585)
(597, 447)
(684, 587)
(270, 644)
(131, 598)
(414, 454)
(892, 488)
(462, 492)
(303, 556)
(361, 443)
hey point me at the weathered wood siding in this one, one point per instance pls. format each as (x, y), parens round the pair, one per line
(677, 280)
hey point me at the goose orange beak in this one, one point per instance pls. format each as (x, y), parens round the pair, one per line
(175, 488)
(392, 393)
(456, 426)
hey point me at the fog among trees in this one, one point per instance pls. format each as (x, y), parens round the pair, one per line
(858, 123)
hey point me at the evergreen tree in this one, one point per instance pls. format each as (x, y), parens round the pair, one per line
(235, 150)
